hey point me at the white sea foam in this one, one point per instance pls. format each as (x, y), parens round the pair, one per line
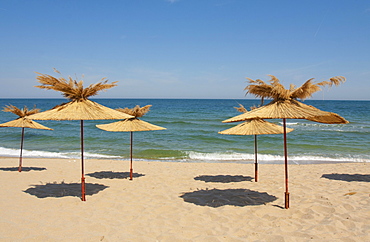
(232, 157)
(46, 154)
(327, 159)
(264, 158)
(31, 153)
(289, 123)
(325, 127)
(191, 156)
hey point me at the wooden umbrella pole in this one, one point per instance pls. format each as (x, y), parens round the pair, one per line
(20, 157)
(83, 187)
(286, 166)
(131, 170)
(255, 159)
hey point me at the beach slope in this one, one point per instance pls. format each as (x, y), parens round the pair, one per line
(168, 201)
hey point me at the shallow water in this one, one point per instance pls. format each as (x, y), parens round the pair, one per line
(192, 134)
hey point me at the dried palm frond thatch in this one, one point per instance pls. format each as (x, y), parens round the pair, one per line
(286, 106)
(289, 109)
(131, 125)
(137, 111)
(241, 108)
(79, 107)
(255, 126)
(285, 103)
(277, 91)
(259, 88)
(20, 112)
(337, 80)
(22, 122)
(80, 110)
(72, 89)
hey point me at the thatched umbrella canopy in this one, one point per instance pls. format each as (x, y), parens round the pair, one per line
(289, 109)
(254, 127)
(131, 125)
(79, 107)
(285, 105)
(22, 122)
(80, 110)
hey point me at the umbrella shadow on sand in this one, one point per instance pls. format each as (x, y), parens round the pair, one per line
(235, 197)
(113, 175)
(347, 177)
(63, 189)
(223, 178)
(23, 168)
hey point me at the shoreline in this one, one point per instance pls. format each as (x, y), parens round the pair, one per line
(169, 201)
(120, 98)
(243, 162)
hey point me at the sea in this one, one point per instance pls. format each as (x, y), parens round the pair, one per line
(191, 134)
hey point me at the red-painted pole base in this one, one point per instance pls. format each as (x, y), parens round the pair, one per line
(131, 139)
(20, 168)
(286, 200)
(83, 189)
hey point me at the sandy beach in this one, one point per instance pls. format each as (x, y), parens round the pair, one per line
(169, 201)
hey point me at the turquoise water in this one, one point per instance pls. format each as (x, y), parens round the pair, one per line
(192, 134)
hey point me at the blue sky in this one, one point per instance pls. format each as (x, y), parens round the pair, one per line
(185, 48)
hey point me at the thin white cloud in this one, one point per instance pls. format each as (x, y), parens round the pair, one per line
(172, 1)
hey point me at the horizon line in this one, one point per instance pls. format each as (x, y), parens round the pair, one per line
(171, 98)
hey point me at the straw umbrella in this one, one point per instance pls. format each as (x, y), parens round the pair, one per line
(285, 106)
(254, 127)
(79, 107)
(22, 122)
(131, 125)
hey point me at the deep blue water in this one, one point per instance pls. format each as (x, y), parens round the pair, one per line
(192, 134)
